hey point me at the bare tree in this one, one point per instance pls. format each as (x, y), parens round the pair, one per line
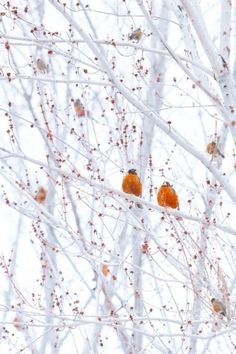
(91, 91)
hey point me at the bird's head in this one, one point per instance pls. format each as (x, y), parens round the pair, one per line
(213, 300)
(77, 102)
(132, 171)
(166, 184)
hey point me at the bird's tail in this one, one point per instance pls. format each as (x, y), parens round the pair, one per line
(139, 206)
(220, 153)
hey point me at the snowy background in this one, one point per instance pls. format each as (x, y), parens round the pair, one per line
(87, 271)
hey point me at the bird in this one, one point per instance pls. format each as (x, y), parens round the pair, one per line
(79, 108)
(105, 270)
(218, 306)
(42, 66)
(131, 184)
(212, 149)
(17, 323)
(136, 35)
(167, 196)
(41, 195)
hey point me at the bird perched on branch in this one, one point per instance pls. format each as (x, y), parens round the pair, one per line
(105, 270)
(131, 184)
(41, 195)
(42, 66)
(167, 196)
(136, 35)
(218, 306)
(79, 108)
(212, 149)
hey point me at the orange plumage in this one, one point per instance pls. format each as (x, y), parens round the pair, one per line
(218, 307)
(167, 197)
(105, 270)
(41, 195)
(79, 108)
(136, 35)
(212, 149)
(131, 184)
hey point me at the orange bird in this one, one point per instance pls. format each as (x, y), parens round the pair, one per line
(218, 307)
(79, 108)
(167, 197)
(41, 195)
(212, 149)
(136, 35)
(131, 184)
(105, 270)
